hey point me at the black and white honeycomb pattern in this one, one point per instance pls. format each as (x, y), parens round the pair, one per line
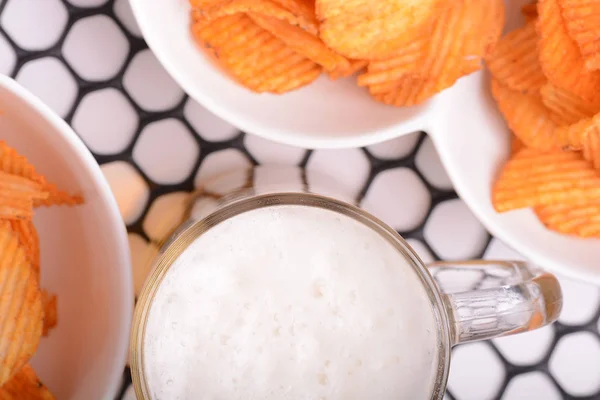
(87, 60)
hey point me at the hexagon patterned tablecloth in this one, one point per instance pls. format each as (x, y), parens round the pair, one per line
(87, 60)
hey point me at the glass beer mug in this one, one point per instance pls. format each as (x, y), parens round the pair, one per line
(279, 287)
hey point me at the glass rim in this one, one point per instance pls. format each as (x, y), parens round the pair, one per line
(187, 233)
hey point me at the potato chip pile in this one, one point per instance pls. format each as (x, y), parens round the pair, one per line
(26, 312)
(546, 82)
(411, 49)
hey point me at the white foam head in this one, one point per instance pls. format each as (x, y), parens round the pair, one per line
(291, 302)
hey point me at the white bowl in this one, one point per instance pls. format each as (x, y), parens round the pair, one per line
(84, 254)
(463, 121)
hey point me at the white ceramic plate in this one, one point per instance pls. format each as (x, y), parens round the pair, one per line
(84, 254)
(469, 134)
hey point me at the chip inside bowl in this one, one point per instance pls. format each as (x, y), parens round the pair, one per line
(26, 311)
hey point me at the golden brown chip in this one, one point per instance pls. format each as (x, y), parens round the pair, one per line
(25, 385)
(254, 57)
(267, 8)
(302, 42)
(567, 107)
(514, 62)
(580, 220)
(582, 18)
(21, 310)
(583, 135)
(526, 116)
(28, 238)
(560, 57)
(367, 30)
(534, 178)
(49, 303)
(462, 35)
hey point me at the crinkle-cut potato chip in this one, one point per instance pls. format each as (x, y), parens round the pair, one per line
(253, 56)
(534, 178)
(14, 163)
(560, 57)
(302, 42)
(355, 66)
(374, 30)
(406, 61)
(462, 35)
(580, 220)
(529, 11)
(17, 195)
(582, 18)
(21, 310)
(25, 385)
(515, 63)
(49, 302)
(267, 8)
(569, 108)
(57, 197)
(28, 238)
(583, 135)
(526, 116)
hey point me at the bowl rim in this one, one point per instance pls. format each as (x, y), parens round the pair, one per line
(104, 195)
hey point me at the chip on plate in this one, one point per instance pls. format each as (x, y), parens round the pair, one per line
(462, 35)
(566, 106)
(560, 56)
(515, 61)
(253, 56)
(374, 30)
(534, 178)
(25, 385)
(526, 116)
(583, 135)
(582, 18)
(21, 310)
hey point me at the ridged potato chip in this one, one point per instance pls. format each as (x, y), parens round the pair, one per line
(29, 241)
(255, 57)
(14, 163)
(560, 57)
(302, 42)
(267, 8)
(49, 303)
(17, 196)
(515, 62)
(581, 220)
(462, 35)
(544, 178)
(583, 135)
(582, 18)
(362, 29)
(25, 385)
(21, 311)
(526, 116)
(566, 106)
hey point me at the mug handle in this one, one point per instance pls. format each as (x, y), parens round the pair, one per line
(488, 299)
